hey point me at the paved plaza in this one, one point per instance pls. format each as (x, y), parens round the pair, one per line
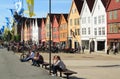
(97, 65)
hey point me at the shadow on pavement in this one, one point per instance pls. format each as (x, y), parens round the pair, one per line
(109, 66)
(73, 77)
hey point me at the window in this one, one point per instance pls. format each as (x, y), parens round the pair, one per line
(84, 31)
(110, 15)
(99, 19)
(78, 21)
(113, 28)
(78, 31)
(99, 30)
(75, 22)
(89, 30)
(103, 30)
(115, 15)
(95, 31)
(75, 31)
(103, 18)
(95, 20)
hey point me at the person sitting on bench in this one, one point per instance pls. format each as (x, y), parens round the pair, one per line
(58, 65)
(38, 59)
(29, 56)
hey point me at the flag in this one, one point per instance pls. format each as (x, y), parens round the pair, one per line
(12, 11)
(19, 7)
(8, 22)
(2, 29)
(30, 4)
(7, 19)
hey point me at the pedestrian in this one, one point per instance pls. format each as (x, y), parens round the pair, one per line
(114, 49)
(83, 48)
(58, 66)
(108, 50)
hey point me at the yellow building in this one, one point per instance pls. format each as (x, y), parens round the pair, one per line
(74, 40)
(49, 19)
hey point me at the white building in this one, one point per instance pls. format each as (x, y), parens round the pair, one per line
(94, 25)
(35, 31)
(99, 25)
(86, 22)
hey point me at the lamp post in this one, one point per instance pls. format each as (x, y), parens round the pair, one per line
(50, 36)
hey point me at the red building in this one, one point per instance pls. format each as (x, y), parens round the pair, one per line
(113, 20)
(55, 29)
(42, 32)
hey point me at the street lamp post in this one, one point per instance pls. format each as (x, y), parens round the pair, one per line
(50, 36)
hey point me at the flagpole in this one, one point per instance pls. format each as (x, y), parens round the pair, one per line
(50, 36)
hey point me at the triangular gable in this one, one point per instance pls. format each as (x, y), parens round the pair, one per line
(78, 4)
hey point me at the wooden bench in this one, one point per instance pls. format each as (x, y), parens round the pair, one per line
(45, 64)
(67, 72)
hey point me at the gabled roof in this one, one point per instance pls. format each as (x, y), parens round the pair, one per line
(39, 21)
(44, 19)
(90, 4)
(66, 17)
(105, 2)
(79, 4)
(108, 4)
(57, 17)
(51, 17)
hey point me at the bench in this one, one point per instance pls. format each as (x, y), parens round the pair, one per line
(67, 72)
(45, 64)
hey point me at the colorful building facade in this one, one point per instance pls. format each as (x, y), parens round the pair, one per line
(74, 38)
(63, 30)
(113, 23)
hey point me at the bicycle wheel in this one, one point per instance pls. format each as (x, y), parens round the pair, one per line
(23, 56)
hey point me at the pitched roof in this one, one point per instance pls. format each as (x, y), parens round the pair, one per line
(108, 2)
(90, 4)
(51, 16)
(105, 2)
(44, 19)
(39, 21)
(66, 17)
(79, 4)
(57, 17)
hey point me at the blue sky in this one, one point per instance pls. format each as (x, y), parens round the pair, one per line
(41, 8)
